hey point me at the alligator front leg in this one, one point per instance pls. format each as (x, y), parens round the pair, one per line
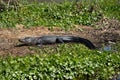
(40, 43)
(59, 40)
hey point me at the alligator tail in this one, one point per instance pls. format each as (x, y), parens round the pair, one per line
(86, 42)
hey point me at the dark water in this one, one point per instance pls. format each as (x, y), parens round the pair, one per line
(111, 47)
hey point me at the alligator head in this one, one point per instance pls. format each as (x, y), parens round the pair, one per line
(29, 40)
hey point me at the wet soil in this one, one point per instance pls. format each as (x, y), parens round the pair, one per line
(106, 31)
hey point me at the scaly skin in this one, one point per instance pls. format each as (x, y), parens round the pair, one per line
(44, 40)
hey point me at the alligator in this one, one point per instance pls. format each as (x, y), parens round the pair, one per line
(45, 40)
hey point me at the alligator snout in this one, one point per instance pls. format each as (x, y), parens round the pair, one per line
(21, 40)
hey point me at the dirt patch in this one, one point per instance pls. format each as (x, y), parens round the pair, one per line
(109, 31)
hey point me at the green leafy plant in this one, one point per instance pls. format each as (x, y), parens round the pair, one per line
(64, 15)
(65, 62)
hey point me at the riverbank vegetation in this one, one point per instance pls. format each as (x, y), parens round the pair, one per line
(66, 62)
(63, 15)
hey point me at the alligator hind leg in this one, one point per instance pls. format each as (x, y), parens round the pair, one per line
(59, 40)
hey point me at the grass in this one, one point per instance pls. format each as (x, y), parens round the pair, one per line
(111, 8)
(63, 15)
(68, 62)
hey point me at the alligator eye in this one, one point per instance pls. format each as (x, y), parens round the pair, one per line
(24, 40)
(28, 39)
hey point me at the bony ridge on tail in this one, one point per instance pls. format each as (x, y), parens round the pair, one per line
(44, 40)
